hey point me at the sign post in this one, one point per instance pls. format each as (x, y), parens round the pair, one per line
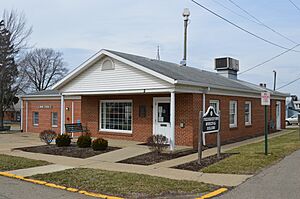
(219, 139)
(210, 123)
(200, 138)
(299, 123)
(266, 101)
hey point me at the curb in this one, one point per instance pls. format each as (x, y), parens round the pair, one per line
(40, 182)
(213, 193)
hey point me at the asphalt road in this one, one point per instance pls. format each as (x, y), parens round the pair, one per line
(279, 181)
(17, 189)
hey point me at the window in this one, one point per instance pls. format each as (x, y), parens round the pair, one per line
(233, 114)
(247, 113)
(35, 118)
(215, 104)
(116, 116)
(54, 118)
(108, 64)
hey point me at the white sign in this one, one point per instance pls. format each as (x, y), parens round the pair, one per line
(265, 98)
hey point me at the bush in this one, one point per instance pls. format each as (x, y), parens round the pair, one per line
(157, 143)
(47, 136)
(84, 141)
(63, 140)
(99, 144)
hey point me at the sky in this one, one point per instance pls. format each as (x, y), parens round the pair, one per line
(80, 28)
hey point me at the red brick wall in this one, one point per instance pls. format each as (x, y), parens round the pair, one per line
(142, 127)
(45, 121)
(187, 112)
(242, 130)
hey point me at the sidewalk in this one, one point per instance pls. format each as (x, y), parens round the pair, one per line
(108, 161)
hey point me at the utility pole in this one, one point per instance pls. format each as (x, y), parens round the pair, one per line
(185, 14)
(274, 81)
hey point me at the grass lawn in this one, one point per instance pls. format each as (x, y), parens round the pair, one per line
(12, 163)
(252, 159)
(123, 184)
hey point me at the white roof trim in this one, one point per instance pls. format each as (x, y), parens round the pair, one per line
(96, 57)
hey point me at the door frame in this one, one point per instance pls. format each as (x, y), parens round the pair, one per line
(154, 110)
(278, 117)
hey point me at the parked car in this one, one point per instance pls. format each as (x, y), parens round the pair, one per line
(292, 120)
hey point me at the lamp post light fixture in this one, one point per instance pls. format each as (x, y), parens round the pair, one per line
(186, 13)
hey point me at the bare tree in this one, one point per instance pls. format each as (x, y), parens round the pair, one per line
(43, 67)
(13, 39)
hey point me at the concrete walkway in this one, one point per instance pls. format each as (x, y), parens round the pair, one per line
(40, 170)
(108, 160)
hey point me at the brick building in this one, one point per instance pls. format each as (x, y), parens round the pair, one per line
(124, 96)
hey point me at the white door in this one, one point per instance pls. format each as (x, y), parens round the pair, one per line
(278, 115)
(161, 116)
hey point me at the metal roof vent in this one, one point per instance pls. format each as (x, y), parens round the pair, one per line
(227, 67)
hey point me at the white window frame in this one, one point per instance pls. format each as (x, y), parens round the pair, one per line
(33, 118)
(54, 125)
(250, 113)
(115, 130)
(218, 104)
(235, 113)
(112, 64)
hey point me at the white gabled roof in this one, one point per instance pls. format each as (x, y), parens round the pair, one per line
(97, 57)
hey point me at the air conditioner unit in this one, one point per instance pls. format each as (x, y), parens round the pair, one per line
(226, 63)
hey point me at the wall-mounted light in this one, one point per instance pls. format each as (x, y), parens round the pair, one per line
(67, 108)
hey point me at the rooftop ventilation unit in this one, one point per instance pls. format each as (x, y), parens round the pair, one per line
(227, 67)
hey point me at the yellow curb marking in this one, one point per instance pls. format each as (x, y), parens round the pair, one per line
(213, 193)
(40, 182)
(71, 189)
(55, 186)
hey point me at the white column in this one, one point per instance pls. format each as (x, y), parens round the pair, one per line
(172, 118)
(72, 112)
(62, 115)
(21, 112)
(26, 116)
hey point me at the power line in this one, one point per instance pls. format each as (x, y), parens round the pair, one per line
(261, 23)
(242, 16)
(288, 83)
(239, 27)
(268, 60)
(294, 5)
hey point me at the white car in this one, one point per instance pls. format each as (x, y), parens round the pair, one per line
(292, 120)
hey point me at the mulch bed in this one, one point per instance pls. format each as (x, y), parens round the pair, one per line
(69, 151)
(153, 157)
(194, 166)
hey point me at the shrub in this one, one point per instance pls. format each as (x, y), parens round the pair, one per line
(84, 141)
(47, 136)
(157, 143)
(99, 144)
(63, 140)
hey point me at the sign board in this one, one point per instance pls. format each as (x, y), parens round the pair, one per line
(210, 121)
(265, 98)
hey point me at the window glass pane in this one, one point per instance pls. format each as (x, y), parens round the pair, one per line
(232, 113)
(163, 114)
(35, 118)
(116, 115)
(54, 119)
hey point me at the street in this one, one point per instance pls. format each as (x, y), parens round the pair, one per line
(16, 189)
(279, 181)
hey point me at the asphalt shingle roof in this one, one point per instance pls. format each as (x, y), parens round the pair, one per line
(186, 73)
(45, 92)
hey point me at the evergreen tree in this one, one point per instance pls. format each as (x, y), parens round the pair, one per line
(8, 71)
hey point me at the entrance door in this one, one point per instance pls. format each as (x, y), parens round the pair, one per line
(161, 116)
(278, 115)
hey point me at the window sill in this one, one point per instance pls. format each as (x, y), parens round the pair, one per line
(54, 126)
(115, 131)
(248, 125)
(233, 126)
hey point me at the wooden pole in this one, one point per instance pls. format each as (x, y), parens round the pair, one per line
(219, 138)
(200, 138)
